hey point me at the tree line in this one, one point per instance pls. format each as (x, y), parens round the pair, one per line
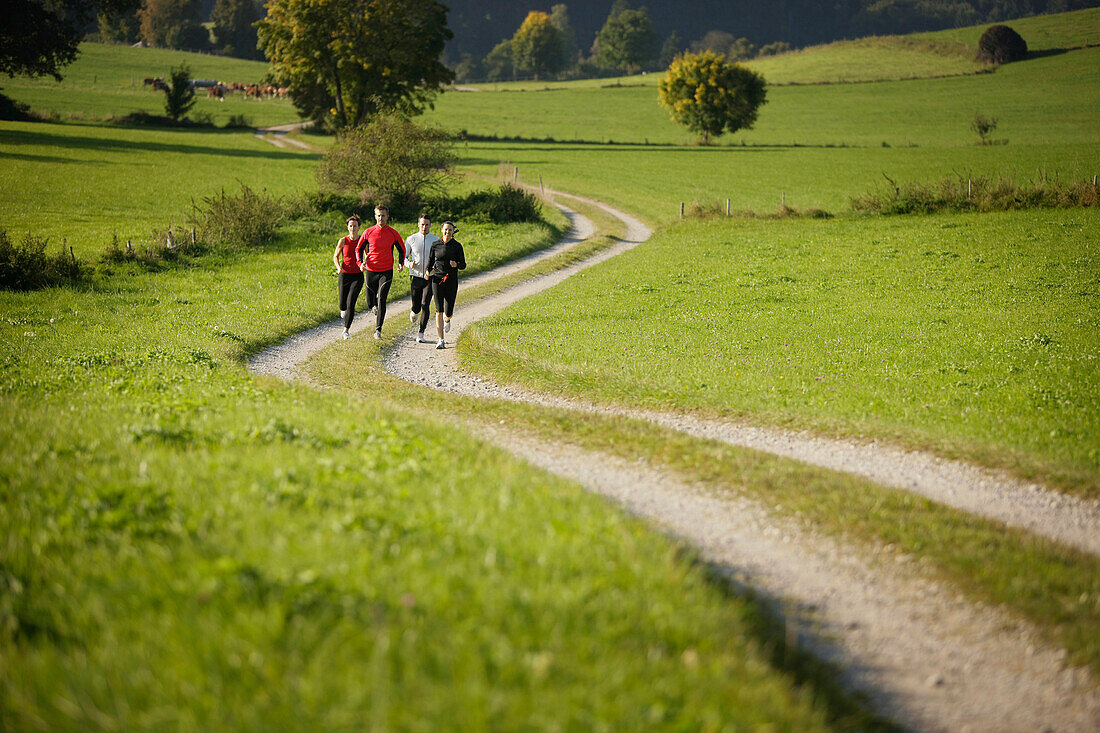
(563, 42)
(480, 25)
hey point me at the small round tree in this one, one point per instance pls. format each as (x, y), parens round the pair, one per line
(1000, 45)
(710, 95)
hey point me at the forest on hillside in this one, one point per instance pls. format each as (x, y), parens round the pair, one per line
(479, 25)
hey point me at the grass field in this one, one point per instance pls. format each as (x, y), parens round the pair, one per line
(83, 184)
(1042, 32)
(106, 81)
(188, 546)
(971, 335)
(930, 112)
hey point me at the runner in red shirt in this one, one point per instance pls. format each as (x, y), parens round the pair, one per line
(375, 255)
(351, 274)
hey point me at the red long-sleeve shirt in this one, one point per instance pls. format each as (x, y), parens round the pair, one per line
(380, 242)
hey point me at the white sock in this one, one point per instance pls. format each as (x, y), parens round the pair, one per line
(343, 314)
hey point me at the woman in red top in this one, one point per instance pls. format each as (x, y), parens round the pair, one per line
(351, 274)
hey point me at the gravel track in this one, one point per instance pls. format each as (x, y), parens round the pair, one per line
(922, 655)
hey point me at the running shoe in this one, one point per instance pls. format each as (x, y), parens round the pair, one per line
(346, 335)
(447, 325)
(441, 345)
(420, 338)
(378, 335)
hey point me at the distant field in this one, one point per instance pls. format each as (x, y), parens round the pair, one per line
(85, 183)
(1042, 32)
(106, 80)
(1050, 99)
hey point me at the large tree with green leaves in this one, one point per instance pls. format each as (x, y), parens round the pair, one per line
(234, 27)
(537, 45)
(347, 60)
(173, 24)
(627, 41)
(38, 38)
(710, 95)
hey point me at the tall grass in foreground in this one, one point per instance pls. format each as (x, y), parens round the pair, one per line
(187, 546)
(969, 335)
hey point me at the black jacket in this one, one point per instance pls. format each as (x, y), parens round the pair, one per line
(440, 256)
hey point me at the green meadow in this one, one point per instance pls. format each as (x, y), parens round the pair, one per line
(189, 546)
(970, 335)
(83, 184)
(106, 81)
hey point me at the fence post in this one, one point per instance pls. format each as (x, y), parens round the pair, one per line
(192, 236)
(727, 207)
(681, 209)
(783, 200)
(171, 243)
(515, 174)
(969, 188)
(541, 189)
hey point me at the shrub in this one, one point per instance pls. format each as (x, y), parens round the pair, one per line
(503, 205)
(390, 161)
(238, 122)
(247, 219)
(774, 49)
(978, 194)
(1000, 45)
(26, 266)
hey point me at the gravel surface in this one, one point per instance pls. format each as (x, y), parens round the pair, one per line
(923, 656)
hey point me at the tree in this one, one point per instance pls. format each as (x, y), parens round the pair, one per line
(38, 38)
(627, 41)
(173, 24)
(121, 27)
(536, 46)
(179, 95)
(499, 63)
(469, 68)
(741, 50)
(388, 161)
(710, 95)
(559, 18)
(1000, 45)
(713, 40)
(671, 48)
(359, 56)
(234, 27)
(984, 126)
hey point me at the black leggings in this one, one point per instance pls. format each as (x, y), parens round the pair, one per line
(421, 293)
(378, 290)
(350, 285)
(445, 294)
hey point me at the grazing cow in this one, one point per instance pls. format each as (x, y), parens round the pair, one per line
(216, 92)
